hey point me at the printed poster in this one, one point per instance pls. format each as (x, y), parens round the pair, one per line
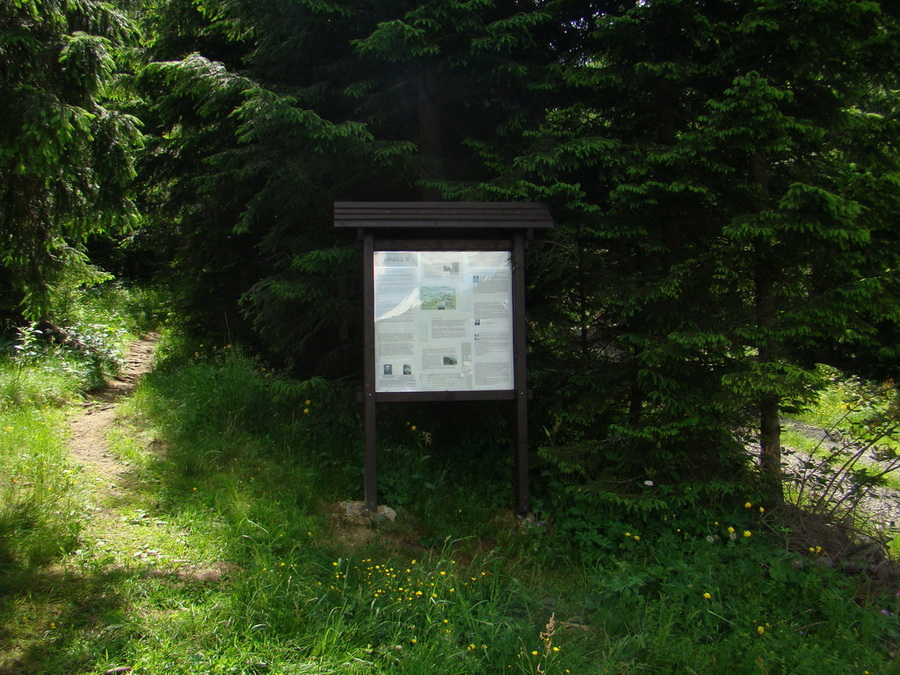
(443, 321)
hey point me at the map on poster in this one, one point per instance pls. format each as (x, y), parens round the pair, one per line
(443, 321)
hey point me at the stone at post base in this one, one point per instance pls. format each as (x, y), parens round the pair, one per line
(356, 512)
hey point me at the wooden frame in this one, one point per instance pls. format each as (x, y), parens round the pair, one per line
(445, 226)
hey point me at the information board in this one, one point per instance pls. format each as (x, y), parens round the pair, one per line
(443, 321)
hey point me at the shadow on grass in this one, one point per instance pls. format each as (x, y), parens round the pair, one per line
(59, 620)
(85, 618)
(244, 479)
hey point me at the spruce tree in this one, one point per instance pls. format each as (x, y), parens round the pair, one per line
(312, 103)
(66, 152)
(708, 162)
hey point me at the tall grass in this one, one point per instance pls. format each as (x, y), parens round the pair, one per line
(233, 489)
(49, 383)
(867, 411)
(254, 461)
(111, 311)
(41, 505)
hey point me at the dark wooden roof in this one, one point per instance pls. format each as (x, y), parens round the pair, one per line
(491, 215)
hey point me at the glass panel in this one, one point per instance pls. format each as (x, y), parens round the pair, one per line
(443, 321)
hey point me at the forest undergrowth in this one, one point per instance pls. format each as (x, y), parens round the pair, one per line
(219, 548)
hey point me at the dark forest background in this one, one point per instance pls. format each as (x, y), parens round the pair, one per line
(724, 175)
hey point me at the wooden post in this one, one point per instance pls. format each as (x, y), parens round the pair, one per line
(521, 386)
(370, 451)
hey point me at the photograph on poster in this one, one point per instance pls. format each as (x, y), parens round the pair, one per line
(437, 297)
(446, 318)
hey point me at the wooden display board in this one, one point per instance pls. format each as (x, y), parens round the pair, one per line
(444, 295)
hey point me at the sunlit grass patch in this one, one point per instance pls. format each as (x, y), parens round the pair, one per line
(434, 612)
(50, 383)
(220, 556)
(40, 513)
(114, 312)
(850, 405)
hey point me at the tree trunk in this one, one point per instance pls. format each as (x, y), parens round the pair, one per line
(431, 144)
(770, 448)
(582, 296)
(770, 403)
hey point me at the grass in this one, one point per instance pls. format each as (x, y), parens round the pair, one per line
(219, 552)
(864, 415)
(867, 411)
(43, 494)
(38, 495)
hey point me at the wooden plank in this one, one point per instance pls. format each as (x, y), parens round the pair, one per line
(441, 209)
(411, 396)
(443, 245)
(470, 215)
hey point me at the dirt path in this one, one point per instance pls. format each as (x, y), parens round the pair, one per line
(122, 522)
(89, 429)
(117, 524)
(66, 602)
